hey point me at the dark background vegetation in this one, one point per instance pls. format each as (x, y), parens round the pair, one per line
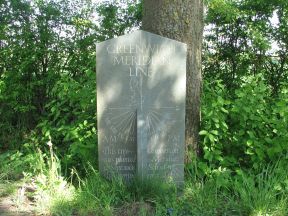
(48, 90)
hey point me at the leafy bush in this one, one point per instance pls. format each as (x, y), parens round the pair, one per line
(71, 121)
(15, 165)
(246, 129)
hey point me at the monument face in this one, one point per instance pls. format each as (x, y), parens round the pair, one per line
(141, 90)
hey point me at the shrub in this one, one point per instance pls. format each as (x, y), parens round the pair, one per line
(244, 130)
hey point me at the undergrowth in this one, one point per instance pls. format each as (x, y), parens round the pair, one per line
(242, 170)
(222, 193)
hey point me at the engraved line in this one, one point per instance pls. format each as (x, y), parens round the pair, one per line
(127, 122)
(156, 124)
(156, 117)
(148, 127)
(177, 108)
(132, 124)
(161, 108)
(121, 115)
(156, 112)
(130, 107)
(148, 123)
(160, 115)
(152, 125)
(120, 123)
(141, 93)
(153, 121)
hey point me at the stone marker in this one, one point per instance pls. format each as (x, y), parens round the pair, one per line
(141, 89)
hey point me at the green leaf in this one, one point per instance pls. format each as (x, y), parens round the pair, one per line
(203, 132)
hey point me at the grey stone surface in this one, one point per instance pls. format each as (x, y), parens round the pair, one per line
(141, 89)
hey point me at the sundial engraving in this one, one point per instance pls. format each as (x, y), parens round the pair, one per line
(141, 89)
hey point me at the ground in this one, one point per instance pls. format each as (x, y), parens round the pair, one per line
(14, 200)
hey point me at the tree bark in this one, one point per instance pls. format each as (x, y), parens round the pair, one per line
(182, 21)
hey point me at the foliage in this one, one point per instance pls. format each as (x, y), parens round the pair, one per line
(15, 165)
(261, 192)
(146, 196)
(71, 120)
(246, 38)
(244, 130)
(39, 43)
(53, 194)
(48, 96)
(118, 18)
(47, 76)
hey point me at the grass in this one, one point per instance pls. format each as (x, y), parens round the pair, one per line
(262, 193)
(7, 188)
(252, 194)
(98, 196)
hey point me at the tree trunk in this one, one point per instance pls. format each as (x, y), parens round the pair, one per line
(182, 21)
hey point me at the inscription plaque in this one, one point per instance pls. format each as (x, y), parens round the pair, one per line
(141, 90)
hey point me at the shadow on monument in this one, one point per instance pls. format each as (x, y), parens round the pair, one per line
(141, 114)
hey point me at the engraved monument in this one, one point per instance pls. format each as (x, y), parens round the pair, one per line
(141, 90)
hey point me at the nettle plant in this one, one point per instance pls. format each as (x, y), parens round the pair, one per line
(214, 131)
(71, 120)
(244, 130)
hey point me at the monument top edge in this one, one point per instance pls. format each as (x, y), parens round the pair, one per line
(141, 32)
